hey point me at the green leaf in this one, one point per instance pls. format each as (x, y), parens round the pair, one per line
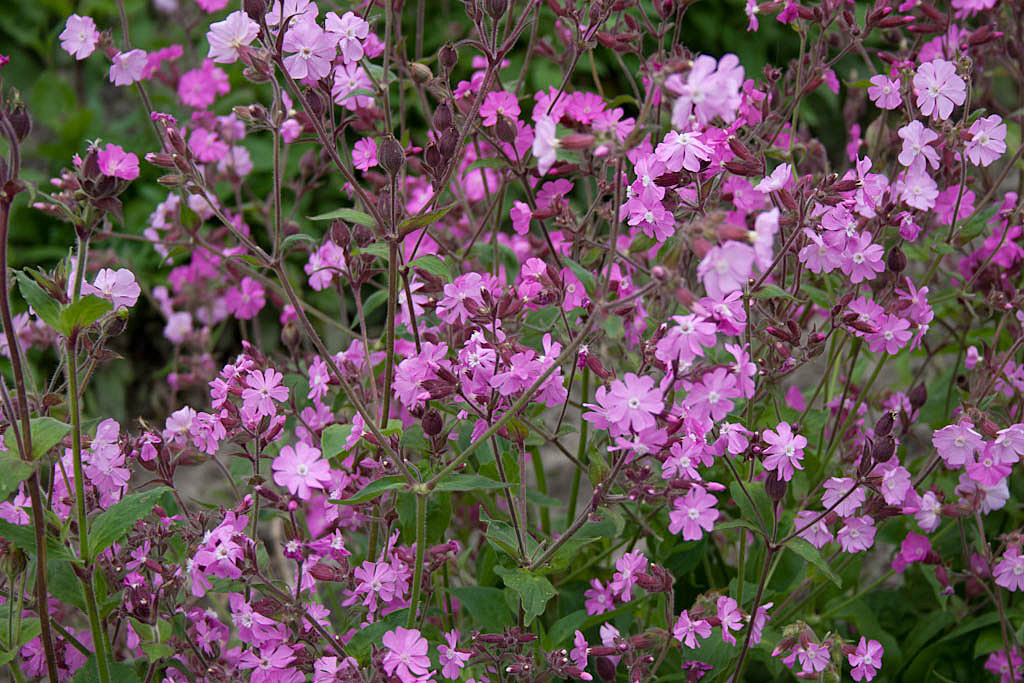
(770, 291)
(487, 606)
(119, 671)
(24, 537)
(45, 306)
(378, 249)
(112, 524)
(423, 220)
(15, 470)
(290, 240)
(761, 500)
(349, 215)
(737, 524)
(332, 441)
(975, 225)
(562, 630)
(364, 638)
(433, 265)
(84, 312)
(155, 651)
(469, 482)
(46, 433)
(373, 489)
(489, 162)
(533, 591)
(807, 551)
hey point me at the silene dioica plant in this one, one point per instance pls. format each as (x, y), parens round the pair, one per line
(481, 384)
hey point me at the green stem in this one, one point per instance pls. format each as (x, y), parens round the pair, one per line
(417, 574)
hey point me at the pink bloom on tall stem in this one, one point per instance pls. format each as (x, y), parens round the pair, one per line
(117, 163)
(245, 300)
(313, 50)
(866, 659)
(119, 287)
(785, 451)
(939, 88)
(988, 140)
(627, 566)
(364, 153)
(731, 617)
(127, 67)
(1009, 571)
(695, 513)
(598, 598)
(79, 37)
(263, 389)
(857, 535)
(545, 145)
(406, 654)
(499, 103)
(687, 629)
(885, 92)
(351, 30)
(225, 37)
(300, 469)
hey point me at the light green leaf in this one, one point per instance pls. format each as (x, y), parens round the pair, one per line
(349, 215)
(807, 551)
(533, 591)
(433, 265)
(84, 312)
(45, 306)
(423, 220)
(468, 482)
(112, 524)
(373, 489)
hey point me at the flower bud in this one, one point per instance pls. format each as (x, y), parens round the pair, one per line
(918, 396)
(420, 73)
(775, 487)
(448, 142)
(443, 117)
(362, 235)
(256, 9)
(391, 155)
(448, 56)
(883, 449)
(20, 121)
(884, 425)
(432, 422)
(505, 131)
(896, 260)
(496, 8)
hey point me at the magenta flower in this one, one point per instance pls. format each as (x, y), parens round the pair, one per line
(578, 654)
(117, 163)
(499, 103)
(212, 5)
(364, 152)
(406, 655)
(631, 402)
(270, 665)
(452, 660)
(957, 444)
(1009, 571)
(862, 259)
(731, 616)
(695, 513)
(835, 490)
(245, 300)
(785, 451)
(118, 287)
(712, 396)
(988, 140)
(627, 567)
(378, 581)
(678, 151)
(199, 88)
(301, 469)
(598, 599)
(919, 190)
(313, 50)
(939, 88)
(127, 67)
(885, 92)
(857, 535)
(686, 630)
(892, 334)
(349, 78)
(726, 268)
(79, 37)
(998, 665)
(263, 389)
(866, 659)
(225, 37)
(350, 30)
(915, 548)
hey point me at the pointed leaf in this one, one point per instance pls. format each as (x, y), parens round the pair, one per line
(373, 489)
(349, 215)
(112, 524)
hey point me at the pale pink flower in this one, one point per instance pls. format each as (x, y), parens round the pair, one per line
(406, 654)
(695, 513)
(225, 37)
(300, 469)
(127, 67)
(119, 287)
(884, 92)
(350, 31)
(939, 88)
(79, 37)
(988, 140)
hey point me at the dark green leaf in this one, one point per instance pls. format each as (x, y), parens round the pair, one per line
(374, 489)
(486, 605)
(46, 433)
(770, 291)
(119, 671)
(533, 591)
(112, 524)
(15, 470)
(84, 312)
(433, 265)
(423, 220)
(349, 215)
(807, 551)
(45, 306)
(24, 537)
(562, 630)
(468, 482)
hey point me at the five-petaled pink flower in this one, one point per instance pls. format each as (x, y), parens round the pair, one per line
(939, 88)
(116, 286)
(499, 103)
(695, 513)
(687, 629)
(79, 37)
(127, 67)
(263, 389)
(785, 451)
(406, 654)
(117, 163)
(225, 37)
(300, 469)
(866, 659)
(1009, 571)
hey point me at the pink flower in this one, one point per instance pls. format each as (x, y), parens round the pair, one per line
(712, 88)
(127, 67)
(630, 403)
(892, 334)
(270, 665)
(998, 665)
(656, 221)
(520, 214)
(835, 490)
(939, 88)
(598, 598)
(885, 92)
(1009, 572)
(695, 513)
(779, 178)
(857, 535)
(349, 78)
(263, 389)
(578, 654)
(678, 151)
(916, 146)
(313, 51)
(212, 5)
(627, 567)
(199, 87)
(364, 152)
(731, 617)
(119, 287)
(785, 451)
(686, 630)
(862, 259)
(245, 300)
(116, 163)
(988, 140)
(957, 444)
(301, 469)
(545, 145)
(865, 660)
(919, 190)
(377, 580)
(406, 655)
(350, 30)
(79, 37)
(452, 660)
(914, 548)
(726, 269)
(225, 37)
(499, 103)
